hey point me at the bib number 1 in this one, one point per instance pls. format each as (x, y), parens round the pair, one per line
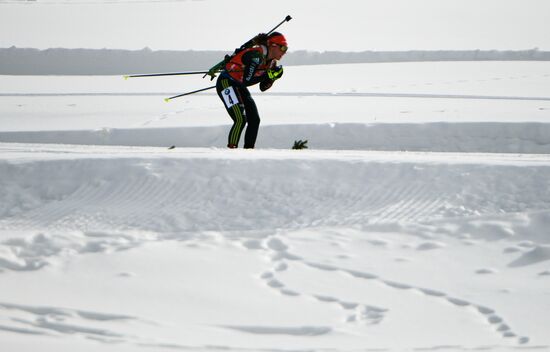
(229, 97)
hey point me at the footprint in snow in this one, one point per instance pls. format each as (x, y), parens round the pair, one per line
(281, 266)
(43, 320)
(126, 274)
(277, 245)
(275, 330)
(269, 278)
(378, 243)
(430, 245)
(536, 255)
(485, 271)
(253, 244)
(512, 250)
(367, 315)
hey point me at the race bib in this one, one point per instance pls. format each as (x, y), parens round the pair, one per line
(229, 97)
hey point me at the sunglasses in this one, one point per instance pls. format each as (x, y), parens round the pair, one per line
(283, 48)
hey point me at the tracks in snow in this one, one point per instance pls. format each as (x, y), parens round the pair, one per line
(362, 285)
(170, 194)
(116, 200)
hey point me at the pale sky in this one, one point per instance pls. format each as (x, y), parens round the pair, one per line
(345, 25)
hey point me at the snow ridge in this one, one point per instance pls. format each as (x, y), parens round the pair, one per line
(322, 222)
(486, 137)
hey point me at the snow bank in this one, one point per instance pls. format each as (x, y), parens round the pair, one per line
(185, 191)
(271, 249)
(443, 106)
(439, 137)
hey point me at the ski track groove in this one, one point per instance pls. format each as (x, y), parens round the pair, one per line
(158, 196)
(187, 194)
(159, 199)
(386, 200)
(406, 201)
(377, 193)
(373, 197)
(111, 202)
(426, 207)
(388, 203)
(52, 211)
(410, 204)
(140, 196)
(369, 202)
(173, 200)
(122, 195)
(103, 206)
(358, 202)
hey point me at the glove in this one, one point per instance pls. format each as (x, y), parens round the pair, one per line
(275, 73)
(260, 39)
(265, 85)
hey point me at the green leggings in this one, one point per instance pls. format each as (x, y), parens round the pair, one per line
(242, 109)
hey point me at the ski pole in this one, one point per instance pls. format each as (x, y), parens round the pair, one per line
(188, 93)
(287, 18)
(166, 74)
(214, 69)
(195, 91)
(173, 74)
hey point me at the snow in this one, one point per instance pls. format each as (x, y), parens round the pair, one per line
(417, 220)
(455, 107)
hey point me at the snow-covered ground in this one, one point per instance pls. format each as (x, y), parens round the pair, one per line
(417, 220)
(467, 106)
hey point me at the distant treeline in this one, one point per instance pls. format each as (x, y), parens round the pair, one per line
(21, 61)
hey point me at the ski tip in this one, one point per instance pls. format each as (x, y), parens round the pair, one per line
(171, 147)
(167, 100)
(126, 76)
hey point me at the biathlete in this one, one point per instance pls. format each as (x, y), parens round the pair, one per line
(250, 66)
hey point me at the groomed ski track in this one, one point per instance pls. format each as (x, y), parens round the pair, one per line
(215, 189)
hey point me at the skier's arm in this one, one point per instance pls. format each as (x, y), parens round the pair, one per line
(271, 76)
(251, 61)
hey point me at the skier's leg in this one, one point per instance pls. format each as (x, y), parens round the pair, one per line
(253, 121)
(237, 113)
(231, 97)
